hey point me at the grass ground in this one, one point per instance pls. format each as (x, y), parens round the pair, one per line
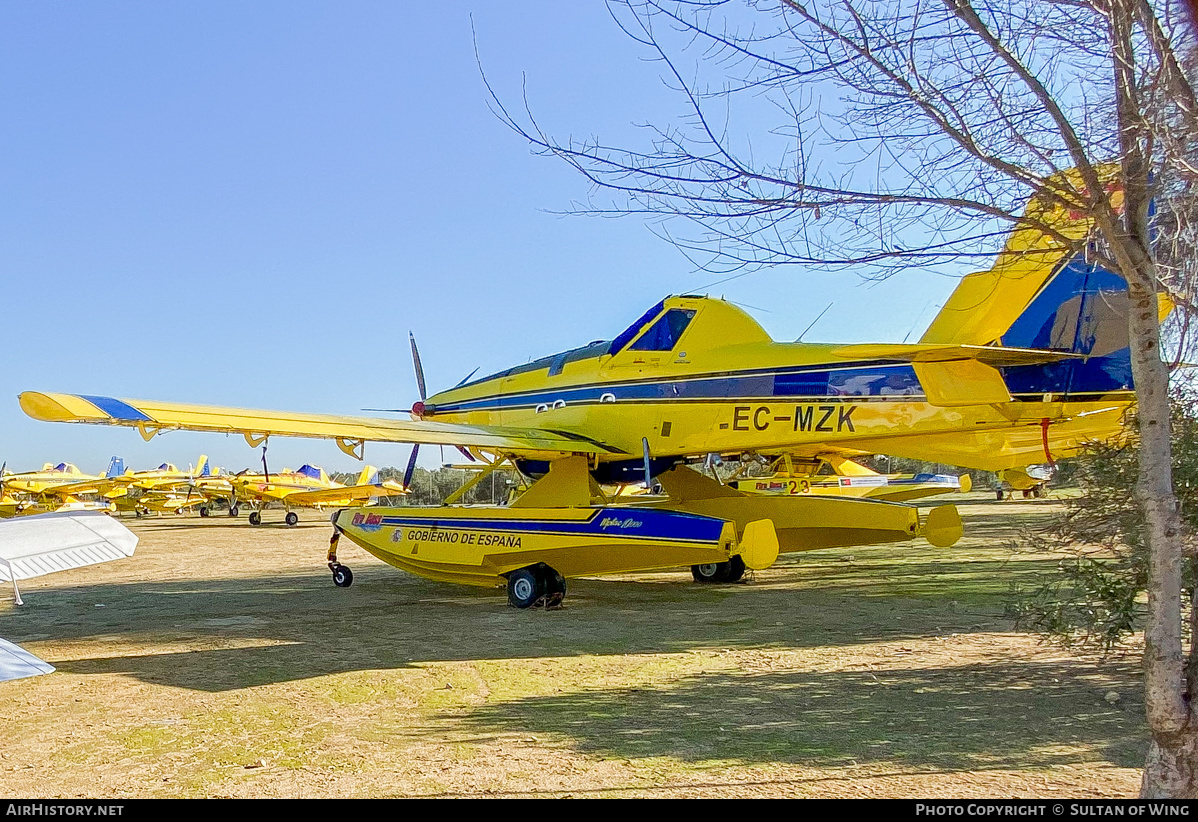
(221, 661)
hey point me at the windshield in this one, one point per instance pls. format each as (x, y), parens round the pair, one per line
(665, 333)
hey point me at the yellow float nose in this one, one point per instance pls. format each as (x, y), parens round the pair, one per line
(759, 545)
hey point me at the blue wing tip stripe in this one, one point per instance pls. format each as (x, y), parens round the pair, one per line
(116, 409)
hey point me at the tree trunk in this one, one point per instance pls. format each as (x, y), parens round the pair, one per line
(1171, 769)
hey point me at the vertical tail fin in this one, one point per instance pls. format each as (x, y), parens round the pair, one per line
(1045, 294)
(116, 467)
(201, 469)
(368, 476)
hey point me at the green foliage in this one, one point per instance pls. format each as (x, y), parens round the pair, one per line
(434, 487)
(1098, 597)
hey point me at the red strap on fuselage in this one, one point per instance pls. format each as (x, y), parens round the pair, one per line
(1044, 423)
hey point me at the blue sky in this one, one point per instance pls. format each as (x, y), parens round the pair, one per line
(252, 204)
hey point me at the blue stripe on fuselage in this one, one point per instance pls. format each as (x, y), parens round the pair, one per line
(633, 523)
(851, 381)
(116, 409)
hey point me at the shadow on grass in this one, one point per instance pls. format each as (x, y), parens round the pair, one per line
(996, 715)
(259, 630)
(256, 631)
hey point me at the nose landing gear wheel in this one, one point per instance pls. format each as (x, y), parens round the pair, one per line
(292, 518)
(342, 576)
(255, 518)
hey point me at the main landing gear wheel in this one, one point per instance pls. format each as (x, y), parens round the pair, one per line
(255, 518)
(998, 494)
(555, 586)
(535, 586)
(292, 518)
(234, 510)
(730, 571)
(736, 569)
(342, 576)
(204, 511)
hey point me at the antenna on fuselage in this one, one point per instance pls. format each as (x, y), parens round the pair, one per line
(813, 322)
(917, 319)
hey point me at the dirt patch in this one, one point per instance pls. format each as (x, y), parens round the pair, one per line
(222, 661)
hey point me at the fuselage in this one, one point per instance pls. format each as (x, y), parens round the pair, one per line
(716, 382)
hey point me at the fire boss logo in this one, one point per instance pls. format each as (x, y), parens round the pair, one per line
(368, 522)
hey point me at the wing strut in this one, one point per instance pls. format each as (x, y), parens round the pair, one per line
(407, 474)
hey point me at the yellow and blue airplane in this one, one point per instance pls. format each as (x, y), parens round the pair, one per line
(165, 489)
(307, 487)
(54, 488)
(1026, 362)
(836, 475)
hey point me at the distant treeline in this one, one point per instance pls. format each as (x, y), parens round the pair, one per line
(434, 487)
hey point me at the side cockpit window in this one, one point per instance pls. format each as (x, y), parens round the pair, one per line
(664, 334)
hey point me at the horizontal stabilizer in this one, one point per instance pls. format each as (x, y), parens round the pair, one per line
(43, 544)
(17, 663)
(992, 355)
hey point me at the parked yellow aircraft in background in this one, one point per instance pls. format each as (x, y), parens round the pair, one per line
(165, 489)
(1026, 361)
(54, 488)
(835, 475)
(308, 487)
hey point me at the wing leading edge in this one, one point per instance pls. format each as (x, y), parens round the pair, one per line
(150, 418)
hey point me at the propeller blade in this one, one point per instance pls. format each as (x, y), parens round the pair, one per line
(407, 474)
(418, 366)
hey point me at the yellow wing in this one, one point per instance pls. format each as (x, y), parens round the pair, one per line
(349, 492)
(151, 418)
